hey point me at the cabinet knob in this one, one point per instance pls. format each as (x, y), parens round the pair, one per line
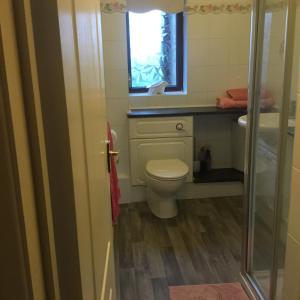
(179, 126)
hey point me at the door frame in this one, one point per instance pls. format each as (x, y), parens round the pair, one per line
(14, 252)
(37, 147)
(54, 200)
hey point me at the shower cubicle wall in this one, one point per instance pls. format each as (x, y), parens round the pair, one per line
(270, 135)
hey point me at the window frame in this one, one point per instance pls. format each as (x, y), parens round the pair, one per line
(179, 58)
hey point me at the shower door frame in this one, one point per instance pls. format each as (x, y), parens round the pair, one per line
(256, 52)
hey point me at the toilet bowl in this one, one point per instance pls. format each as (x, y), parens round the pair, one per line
(164, 178)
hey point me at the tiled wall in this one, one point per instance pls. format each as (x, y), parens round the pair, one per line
(217, 49)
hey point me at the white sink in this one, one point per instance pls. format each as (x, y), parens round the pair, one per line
(267, 121)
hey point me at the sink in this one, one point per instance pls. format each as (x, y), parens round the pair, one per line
(267, 121)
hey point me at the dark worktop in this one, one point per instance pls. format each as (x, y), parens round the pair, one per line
(183, 111)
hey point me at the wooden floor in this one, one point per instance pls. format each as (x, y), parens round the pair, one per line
(201, 245)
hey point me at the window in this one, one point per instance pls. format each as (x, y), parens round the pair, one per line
(155, 50)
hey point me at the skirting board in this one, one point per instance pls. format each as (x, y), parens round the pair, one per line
(131, 194)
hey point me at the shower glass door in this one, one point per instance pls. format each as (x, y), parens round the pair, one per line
(270, 101)
(270, 146)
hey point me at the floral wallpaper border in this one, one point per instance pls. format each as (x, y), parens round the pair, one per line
(113, 7)
(204, 9)
(218, 9)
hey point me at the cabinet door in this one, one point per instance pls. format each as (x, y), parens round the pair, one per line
(143, 150)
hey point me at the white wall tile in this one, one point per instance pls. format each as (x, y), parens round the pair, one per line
(116, 83)
(217, 127)
(213, 95)
(294, 220)
(113, 27)
(123, 137)
(216, 78)
(239, 51)
(218, 25)
(220, 152)
(197, 79)
(291, 288)
(197, 99)
(117, 109)
(123, 165)
(197, 26)
(297, 138)
(239, 25)
(198, 52)
(115, 55)
(238, 76)
(218, 52)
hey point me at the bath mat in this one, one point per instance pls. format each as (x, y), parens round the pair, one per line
(225, 291)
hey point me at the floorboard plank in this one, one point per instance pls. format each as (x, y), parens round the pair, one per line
(201, 245)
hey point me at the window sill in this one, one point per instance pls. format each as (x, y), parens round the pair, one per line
(167, 94)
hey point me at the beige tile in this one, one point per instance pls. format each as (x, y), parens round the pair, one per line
(291, 286)
(296, 162)
(294, 220)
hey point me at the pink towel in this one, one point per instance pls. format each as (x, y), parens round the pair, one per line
(267, 103)
(225, 102)
(115, 193)
(240, 94)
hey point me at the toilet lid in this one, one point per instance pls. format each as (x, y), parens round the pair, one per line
(167, 169)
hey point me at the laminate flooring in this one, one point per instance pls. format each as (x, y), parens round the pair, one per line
(201, 245)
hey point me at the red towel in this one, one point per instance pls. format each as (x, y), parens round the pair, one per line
(240, 94)
(114, 183)
(225, 102)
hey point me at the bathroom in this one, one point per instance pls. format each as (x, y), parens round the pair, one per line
(215, 58)
(155, 146)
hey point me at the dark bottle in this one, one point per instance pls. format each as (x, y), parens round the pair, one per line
(205, 159)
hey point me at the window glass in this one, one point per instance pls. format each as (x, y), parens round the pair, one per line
(154, 50)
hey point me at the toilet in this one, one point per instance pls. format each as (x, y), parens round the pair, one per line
(161, 160)
(163, 179)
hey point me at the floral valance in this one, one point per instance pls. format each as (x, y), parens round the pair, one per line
(188, 6)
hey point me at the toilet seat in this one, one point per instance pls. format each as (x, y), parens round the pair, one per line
(168, 169)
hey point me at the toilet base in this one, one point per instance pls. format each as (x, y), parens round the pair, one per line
(162, 207)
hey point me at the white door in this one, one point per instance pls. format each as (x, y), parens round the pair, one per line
(80, 33)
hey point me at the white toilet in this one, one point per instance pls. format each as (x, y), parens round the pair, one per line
(161, 160)
(163, 179)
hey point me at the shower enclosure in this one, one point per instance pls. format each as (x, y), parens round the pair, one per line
(273, 83)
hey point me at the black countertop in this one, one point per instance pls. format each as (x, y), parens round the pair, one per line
(183, 111)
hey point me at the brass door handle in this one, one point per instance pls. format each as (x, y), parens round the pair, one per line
(110, 154)
(113, 153)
